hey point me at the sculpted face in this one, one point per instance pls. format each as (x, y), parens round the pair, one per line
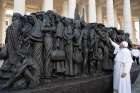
(46, 20)
(16, 16)
(30, 20)
(77, 23)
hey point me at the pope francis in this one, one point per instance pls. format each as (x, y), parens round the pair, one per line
(122, 67)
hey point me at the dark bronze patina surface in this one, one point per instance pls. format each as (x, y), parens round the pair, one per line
(45, 47)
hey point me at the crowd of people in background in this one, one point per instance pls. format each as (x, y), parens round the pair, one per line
(136, 54)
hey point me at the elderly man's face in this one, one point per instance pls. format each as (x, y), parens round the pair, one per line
(121, 45)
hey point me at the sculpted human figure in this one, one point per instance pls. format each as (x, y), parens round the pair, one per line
(14, 71)
(106, 46)
(77, 48)
(58, 53)
(85, 48)
(68, 36)
(93, 45)
(11, 45)
(112, 33)
(48, 30)
(127, 38)
(94, 38)
(36, 37)
(99, 60)
(25, 71)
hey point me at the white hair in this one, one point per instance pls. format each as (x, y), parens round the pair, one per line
(124, 43)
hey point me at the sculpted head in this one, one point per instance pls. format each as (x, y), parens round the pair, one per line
(16, 16)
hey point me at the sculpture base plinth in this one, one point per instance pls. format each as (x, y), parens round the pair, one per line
(100, 84)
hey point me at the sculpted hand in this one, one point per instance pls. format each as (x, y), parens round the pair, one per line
(123, 75)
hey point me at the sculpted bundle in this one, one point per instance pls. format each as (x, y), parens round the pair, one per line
(46, 46)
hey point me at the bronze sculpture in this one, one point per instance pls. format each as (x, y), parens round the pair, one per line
(45, 45)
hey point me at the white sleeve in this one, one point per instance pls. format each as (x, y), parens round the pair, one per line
(126, 67)
(115, 45)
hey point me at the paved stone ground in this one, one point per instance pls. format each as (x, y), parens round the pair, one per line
(136, 86)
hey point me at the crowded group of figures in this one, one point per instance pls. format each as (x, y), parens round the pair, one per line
(47, 45)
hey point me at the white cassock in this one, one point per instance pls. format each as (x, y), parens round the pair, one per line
(123, 63)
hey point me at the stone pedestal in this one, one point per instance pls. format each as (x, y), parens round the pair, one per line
(100, 84)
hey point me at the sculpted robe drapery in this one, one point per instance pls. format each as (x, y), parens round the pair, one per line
(123, 63)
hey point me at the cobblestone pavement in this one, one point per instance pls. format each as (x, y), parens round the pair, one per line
(136, 86)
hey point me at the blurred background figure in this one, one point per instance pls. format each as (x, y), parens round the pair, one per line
(135, 54)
